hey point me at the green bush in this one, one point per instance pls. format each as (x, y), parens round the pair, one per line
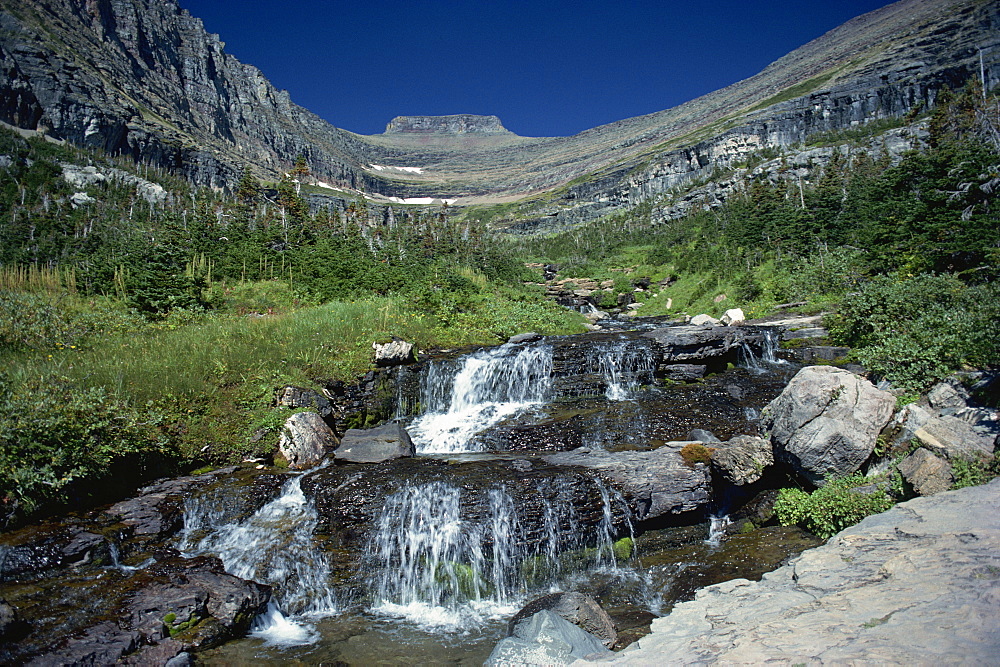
(917, 331)
(54, 433)
(832, 507)
(974, 471)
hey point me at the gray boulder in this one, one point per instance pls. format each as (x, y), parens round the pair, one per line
(908, 421)
(952, 437)
(305, 439)
(826, 420)
(657, 483)
(742, 459)
(926, 473)
(8, 619)
(579, 609)
(375, 445)
(703, 319)
(394, 353)
(546, 639)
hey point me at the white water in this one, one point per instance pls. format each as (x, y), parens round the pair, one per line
(717, 525)
(464, 398)
(439, 570)
(272, 546)
(625, 367)
(768, 357)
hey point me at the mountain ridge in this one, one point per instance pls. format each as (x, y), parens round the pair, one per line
(145, 79)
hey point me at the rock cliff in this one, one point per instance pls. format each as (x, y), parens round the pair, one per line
(144, 78)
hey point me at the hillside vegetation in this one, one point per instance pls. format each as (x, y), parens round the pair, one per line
(146, 330)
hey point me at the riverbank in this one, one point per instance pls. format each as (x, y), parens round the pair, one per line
(918, 584)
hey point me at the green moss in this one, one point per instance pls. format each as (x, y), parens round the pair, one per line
(623, 548)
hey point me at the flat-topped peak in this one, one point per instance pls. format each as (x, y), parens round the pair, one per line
(465, 123)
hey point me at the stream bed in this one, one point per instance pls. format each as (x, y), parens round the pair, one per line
(423, 560)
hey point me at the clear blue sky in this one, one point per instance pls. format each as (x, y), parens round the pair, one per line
(545, 67)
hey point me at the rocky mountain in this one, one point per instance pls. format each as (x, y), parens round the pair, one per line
(144, 78)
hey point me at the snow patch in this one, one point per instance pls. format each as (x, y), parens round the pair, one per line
(408, 170)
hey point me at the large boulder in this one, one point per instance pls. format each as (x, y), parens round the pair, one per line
(546, 639)
(305, 439)
(375, 445)
(656, 483)
(578, 608)
(743, 459)
(826, 420)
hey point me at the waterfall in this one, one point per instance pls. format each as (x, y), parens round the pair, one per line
(768, 357)
(717, 524)
(430, 565)
(465, 397)
(273, 546)
(624, 367)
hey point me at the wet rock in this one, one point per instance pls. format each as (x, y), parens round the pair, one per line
(684, 372)
(530, 337)
(9, 620)
(305, 439)
(168, 652)
(579, 609)
(657, 482)
(546, 639)
(375, 445)
(816, 353)
(103, 644)
(951, 438)
(701, 435)
(826, 420)
(917, 584)
(297, 397)
(158, 510)
(742, 459)
(926, 473)
(689, 343)
(394, 353)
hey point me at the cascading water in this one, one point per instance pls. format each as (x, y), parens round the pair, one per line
(768, 357)
(624, 365)
(272, 546)
(433, 567)
(465, 398)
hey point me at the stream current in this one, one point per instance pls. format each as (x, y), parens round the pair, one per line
(426, 560)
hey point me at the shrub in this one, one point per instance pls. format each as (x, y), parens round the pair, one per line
(53, 434)
(836, 505)
(974, 471)
(920, 330)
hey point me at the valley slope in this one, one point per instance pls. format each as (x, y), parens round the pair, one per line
(144, 78)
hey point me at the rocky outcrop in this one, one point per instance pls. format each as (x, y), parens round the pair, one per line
(456, 124)
(915, 585)
(305, 440)
(375, 445)
(297, 397)
(545, 638)
(656, 483)
(826, 421)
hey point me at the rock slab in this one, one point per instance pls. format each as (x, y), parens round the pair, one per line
(919, 584)
(375, 445)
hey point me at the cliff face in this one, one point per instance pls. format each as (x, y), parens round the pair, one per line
(143, 78)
